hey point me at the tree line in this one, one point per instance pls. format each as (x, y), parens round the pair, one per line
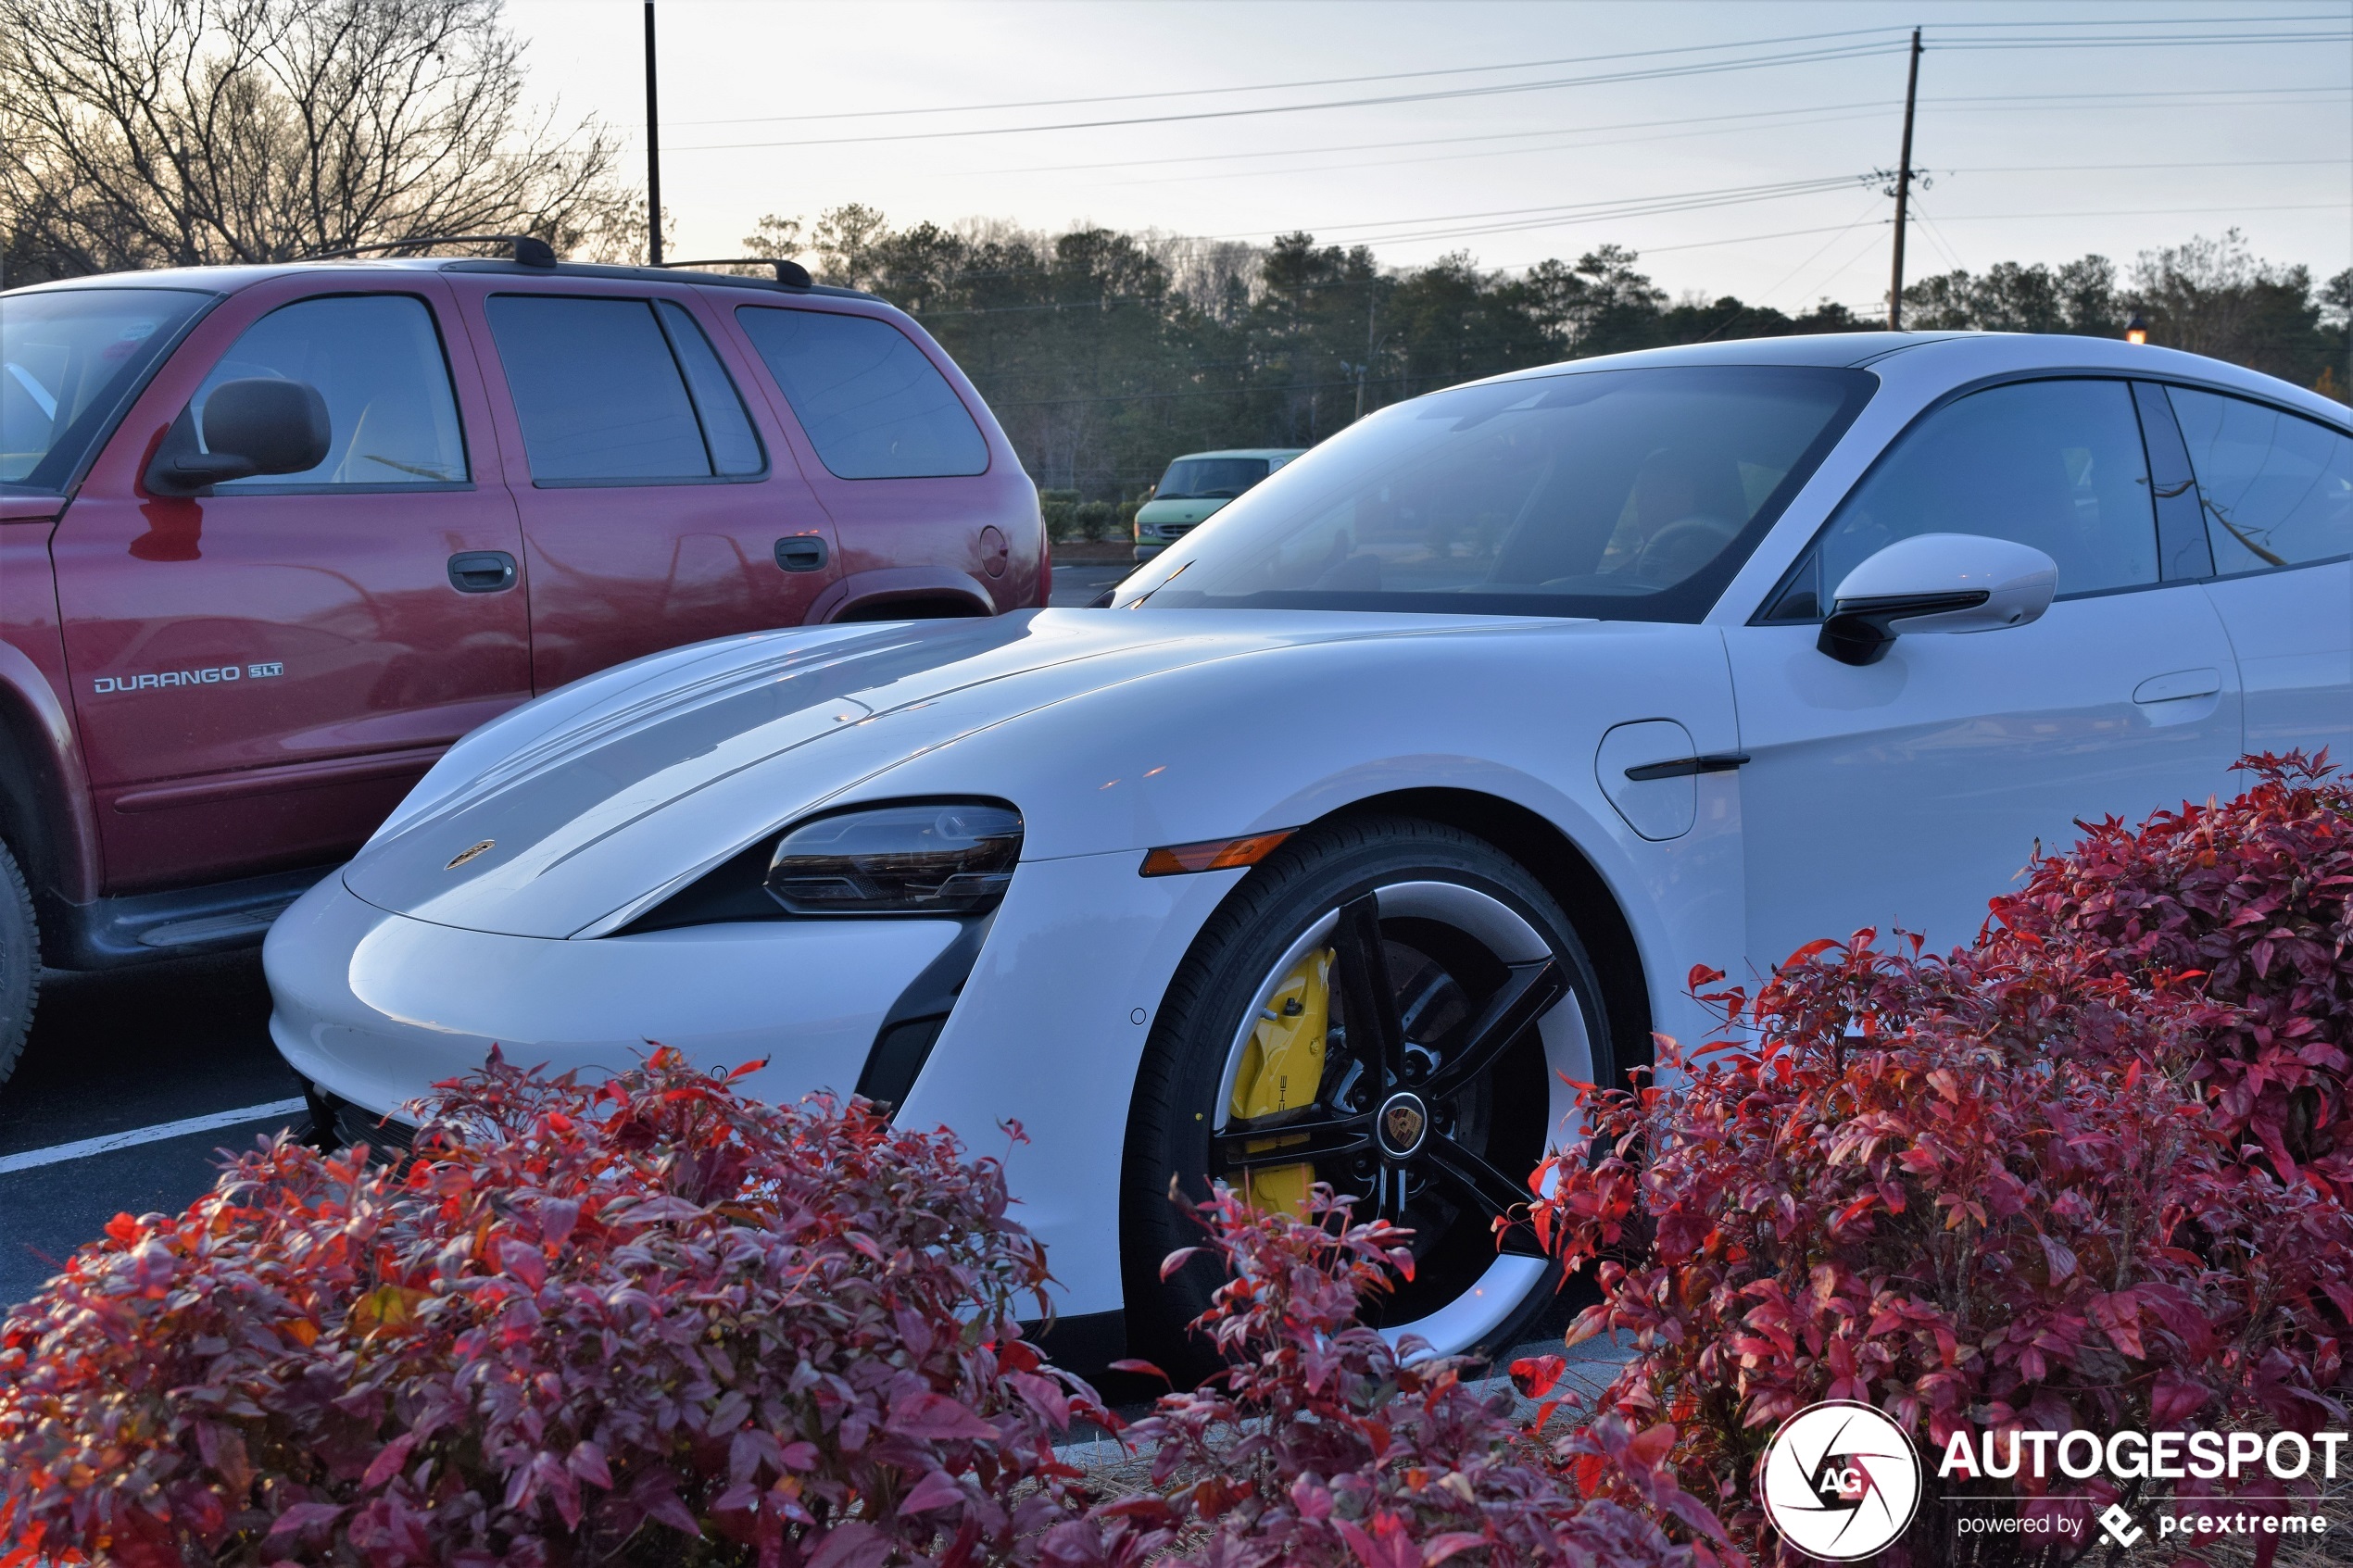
(1104, 353)
(139, 133)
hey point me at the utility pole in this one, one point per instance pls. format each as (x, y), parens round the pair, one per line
(1903, 172)
(653, 150)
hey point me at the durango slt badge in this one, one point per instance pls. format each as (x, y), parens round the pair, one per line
(469, 853)
(209, 677)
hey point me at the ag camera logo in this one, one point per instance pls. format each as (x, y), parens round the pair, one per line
(1841, 1481)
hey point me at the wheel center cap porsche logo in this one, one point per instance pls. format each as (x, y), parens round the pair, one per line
(469, 853)
(1404, 1123)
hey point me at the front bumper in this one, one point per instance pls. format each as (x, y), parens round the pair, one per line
(373, 1008)
(1035, 1066)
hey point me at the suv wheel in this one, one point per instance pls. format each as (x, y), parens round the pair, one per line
(1394, 1008)
(19, 962)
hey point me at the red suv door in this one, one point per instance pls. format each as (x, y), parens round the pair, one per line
(260, 673)
(657, 510)
(932, 507)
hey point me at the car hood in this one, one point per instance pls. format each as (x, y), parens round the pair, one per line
(633, 781)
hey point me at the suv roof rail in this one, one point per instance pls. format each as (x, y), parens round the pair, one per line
(529, 249)
(791, 273)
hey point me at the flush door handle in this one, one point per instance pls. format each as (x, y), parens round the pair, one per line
(2179, 687)
(481, 571)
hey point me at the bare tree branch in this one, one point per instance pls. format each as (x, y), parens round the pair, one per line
(180, 133)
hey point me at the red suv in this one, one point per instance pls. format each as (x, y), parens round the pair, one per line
(272, 537)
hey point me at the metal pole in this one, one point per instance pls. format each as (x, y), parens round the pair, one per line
(653, 149)
(1903, 177)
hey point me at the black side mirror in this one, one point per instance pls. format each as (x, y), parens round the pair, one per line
(255, 426)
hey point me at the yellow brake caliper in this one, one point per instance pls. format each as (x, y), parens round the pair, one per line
(1283, 1069)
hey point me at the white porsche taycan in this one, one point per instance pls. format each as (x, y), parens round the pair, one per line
(1396, 798)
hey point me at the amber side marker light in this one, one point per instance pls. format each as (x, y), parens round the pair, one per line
(1212, 854)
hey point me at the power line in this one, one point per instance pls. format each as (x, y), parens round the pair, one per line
(2152, 211)
(1707, 68)
(1288, 86)
(2106, 167)
(1710, 197)
(1506, 65)
(1812, 57)
(2084, 100)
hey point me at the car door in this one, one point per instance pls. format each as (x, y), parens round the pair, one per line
(2275, 491)
(260, 672)
(1907, 792)
(655, 511)
(900, 462)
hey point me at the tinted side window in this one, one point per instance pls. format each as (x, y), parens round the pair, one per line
(874, 406)
(735, 447)
(597, 389)
(2276, 490)
(2057, 465)
(377, 361)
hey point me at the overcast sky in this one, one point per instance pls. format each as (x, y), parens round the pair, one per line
(1728, 151)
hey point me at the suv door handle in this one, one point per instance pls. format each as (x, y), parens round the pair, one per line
(481, 571)
(800, 552)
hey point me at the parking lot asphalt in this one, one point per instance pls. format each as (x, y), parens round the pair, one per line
(111, 1054)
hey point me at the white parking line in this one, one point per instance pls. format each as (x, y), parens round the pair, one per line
(57, 1154)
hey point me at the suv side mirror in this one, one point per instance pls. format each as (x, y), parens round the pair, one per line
(1936, 582)
(255, 426)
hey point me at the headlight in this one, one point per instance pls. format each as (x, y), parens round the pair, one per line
(949, 858)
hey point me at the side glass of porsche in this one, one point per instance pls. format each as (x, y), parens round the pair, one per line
(1622, 495)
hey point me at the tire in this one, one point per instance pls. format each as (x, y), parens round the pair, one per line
(1466, 936)
(19, 962)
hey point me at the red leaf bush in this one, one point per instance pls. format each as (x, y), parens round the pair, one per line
(2088, 1173)
(1322, 1445)
(647, 1323)
(2250, 905)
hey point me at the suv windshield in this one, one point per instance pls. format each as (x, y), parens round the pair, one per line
(1622, 495)
(1209, 479)
(66, 360)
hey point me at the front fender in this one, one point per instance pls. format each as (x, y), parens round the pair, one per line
(48, 804)
(1052, 1024)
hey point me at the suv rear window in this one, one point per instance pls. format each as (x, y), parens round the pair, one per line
(874, 406)
(602, 398)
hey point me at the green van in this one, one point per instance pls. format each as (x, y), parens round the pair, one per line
(1197, 485)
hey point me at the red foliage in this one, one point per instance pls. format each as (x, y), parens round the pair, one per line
(1322, 1444)
(645, 1322)
(2089, 1173)
(2249, 903)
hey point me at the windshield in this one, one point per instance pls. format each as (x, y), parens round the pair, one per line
(66, 360)
(1209, 479)
(1623, 495)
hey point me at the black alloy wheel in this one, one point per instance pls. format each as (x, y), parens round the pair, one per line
(1391, 1006)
